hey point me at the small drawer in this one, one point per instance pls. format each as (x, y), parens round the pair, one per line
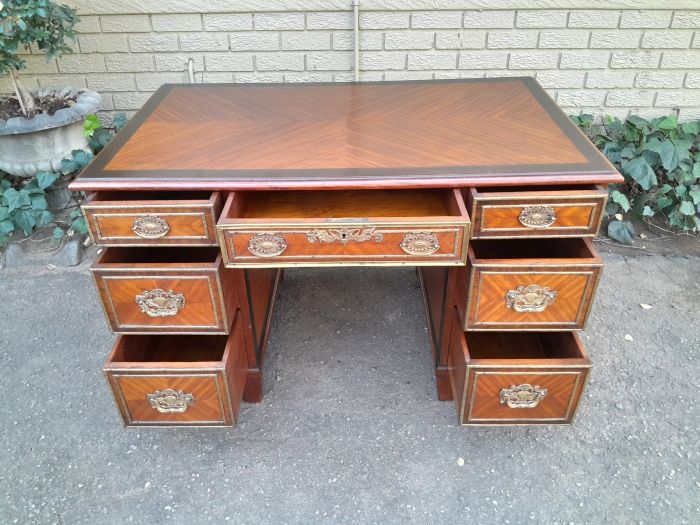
(364, 227)
(569, 211)
(153, 218)
(528, 284)
(183, 380)
(516, 378)
(165, 290)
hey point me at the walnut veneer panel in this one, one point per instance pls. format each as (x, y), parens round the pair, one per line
(344, 135)
(165, 290)
(152, 219)
(510, 378)
(528, 284)
(160, 380)
(358, 227)
(551, 212)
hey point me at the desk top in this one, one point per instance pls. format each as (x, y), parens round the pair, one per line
(481, 132)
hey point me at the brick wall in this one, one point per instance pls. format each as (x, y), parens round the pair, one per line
(613, 59)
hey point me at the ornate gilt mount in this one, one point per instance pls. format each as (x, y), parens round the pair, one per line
(522, 396)
(267, 245)
(170, 401)
(160, 303)
(420, 243)
(530, 299)
(537, 216)
(344, 235)
(150, 227)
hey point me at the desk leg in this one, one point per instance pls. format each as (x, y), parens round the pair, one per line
(257, 293)
(438, 285)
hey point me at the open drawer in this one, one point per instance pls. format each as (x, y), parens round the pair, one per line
(364, 227)
(153, 218)
(516, 378)
(184, 380)
(538, 211)
(528, 284)
(166, 290)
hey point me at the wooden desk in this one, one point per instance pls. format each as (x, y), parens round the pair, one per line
(484, 185)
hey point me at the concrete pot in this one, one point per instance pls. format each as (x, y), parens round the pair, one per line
(28, 146)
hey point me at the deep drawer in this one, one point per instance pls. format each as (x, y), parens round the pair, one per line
(535, 212)
(531, 284)
(371, 227)
(516, 378)
(166, 290)
(184, 380)
(153, 219)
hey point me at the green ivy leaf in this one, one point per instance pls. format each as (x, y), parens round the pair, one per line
(4, 213)
(621, 199)
(25, 220)
(639, 122)
(44, 179)
(77, 162)
(696, 170)
(647, 212)
(687, 208)
(695, 195)
(17, 199)
(43, 217)
(692, 127)
(91, 124)
(79, 225)
(39, 202)
(664, 202)
(6, 226)
(666, 123)
(612, 152)
(99, 139)
(58, 233)
(639, 169)
(120, 120)
(4, 184)
(621, 231)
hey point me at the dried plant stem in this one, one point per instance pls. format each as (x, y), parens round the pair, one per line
(20, 98)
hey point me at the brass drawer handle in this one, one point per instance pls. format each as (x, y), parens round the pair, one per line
(150, 227)
(531, 298)
(344, 235)
(420, 243)
(522, 396)
(266, 245)
(537, 216)
(170, 401)
(160, 303)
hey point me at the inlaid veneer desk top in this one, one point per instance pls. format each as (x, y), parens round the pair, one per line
(471, 133)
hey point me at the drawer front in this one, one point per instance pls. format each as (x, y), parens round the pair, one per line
(156, 223)
(351, 244)
(529, 298)
(167, 300)
(182, 398)
(535, 214)
(516, 395)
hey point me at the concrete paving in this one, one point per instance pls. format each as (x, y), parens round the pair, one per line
(350, 430)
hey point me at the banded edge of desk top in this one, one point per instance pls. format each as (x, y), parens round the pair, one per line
(476, 132)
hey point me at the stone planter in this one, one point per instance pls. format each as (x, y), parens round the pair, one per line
(28, 146)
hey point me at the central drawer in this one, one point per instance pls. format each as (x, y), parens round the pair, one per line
(366, 227)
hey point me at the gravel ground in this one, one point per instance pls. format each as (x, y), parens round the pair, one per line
(350, 430)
